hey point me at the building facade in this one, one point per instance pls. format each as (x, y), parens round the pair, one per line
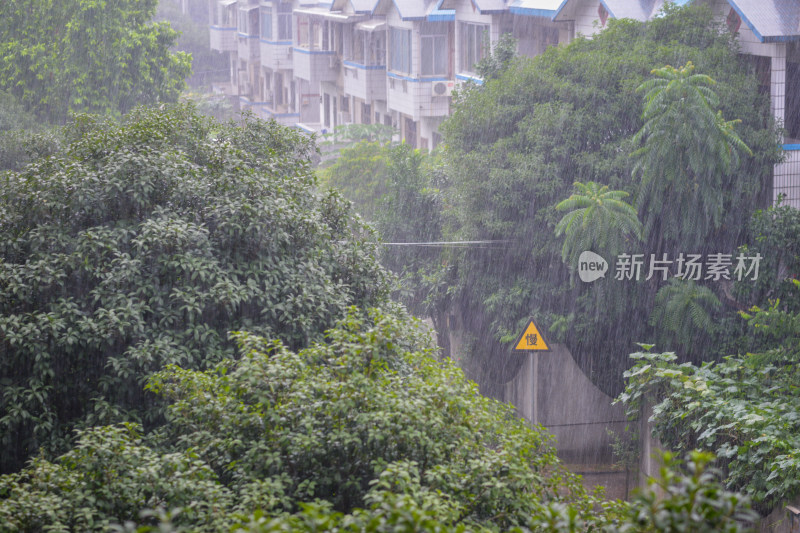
(317, 65)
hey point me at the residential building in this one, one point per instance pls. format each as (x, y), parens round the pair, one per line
(394, 62)
(318, 65)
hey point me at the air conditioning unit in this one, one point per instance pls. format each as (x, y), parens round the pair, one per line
(443, 88)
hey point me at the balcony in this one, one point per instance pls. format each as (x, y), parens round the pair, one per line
(276, 55)
(365, 82)
(416, 97)
(315, 66)
(223, 38)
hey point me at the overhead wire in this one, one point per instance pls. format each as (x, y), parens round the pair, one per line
(449, 244)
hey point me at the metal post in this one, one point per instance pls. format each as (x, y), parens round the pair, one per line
(535, 382)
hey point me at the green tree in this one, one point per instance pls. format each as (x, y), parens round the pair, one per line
(411, 216)
(743, 409)
(22, 139)
(598, 219)
(689, 155)
(500, 58)
(516, 146)
(62, 56)
(360, 174)
(143, 243)
(367, 418)
(684, 311)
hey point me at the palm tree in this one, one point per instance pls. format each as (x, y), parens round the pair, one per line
(688, 152)
(683, 312)
(598, 219)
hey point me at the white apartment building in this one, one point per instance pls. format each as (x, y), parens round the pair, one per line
(317, 65)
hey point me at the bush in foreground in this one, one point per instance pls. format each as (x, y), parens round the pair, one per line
(367, 431)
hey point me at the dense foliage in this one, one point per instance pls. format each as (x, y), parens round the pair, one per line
(367, 431)
(62, 56)
(516, 145)
(748, 414)
(142, 244)
(360, 174)
(745, 408)
(22, 139)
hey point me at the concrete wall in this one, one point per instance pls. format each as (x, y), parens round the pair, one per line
(555, 393)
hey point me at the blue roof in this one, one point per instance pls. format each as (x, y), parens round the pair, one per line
(770, 20)
(427, 10)
(535, 8)
(364, 6)
(484, 7)
(640, 10)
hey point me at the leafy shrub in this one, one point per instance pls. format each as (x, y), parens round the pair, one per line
(365, 432)
(360, 173)
(109, 477)
(747, 414)
(368, 413)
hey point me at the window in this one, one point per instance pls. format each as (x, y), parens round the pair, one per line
(377, 49)
(303, 36)
(368, 48)
(472, 44)
(433, 41)
(357, 50)
(266, 22)
(312, 34)
(226, 15)
(400, 56)
(248, 21)
(284, 21)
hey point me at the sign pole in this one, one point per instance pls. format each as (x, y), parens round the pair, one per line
(532, 340)
(535, 380)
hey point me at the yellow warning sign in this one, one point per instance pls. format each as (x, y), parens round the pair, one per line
(531, 339)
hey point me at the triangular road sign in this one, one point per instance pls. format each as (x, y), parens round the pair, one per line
(531, 339)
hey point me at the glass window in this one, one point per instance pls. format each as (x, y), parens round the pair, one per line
(303, 32)
(472, 39)
(284, 21)
(433, 54)
(266, 22)
(400, 50)
(213, 10)
(378, 48)
(357, 51)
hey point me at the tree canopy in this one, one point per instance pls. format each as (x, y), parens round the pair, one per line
(517, 144)
(100, 56)
(143, 243)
